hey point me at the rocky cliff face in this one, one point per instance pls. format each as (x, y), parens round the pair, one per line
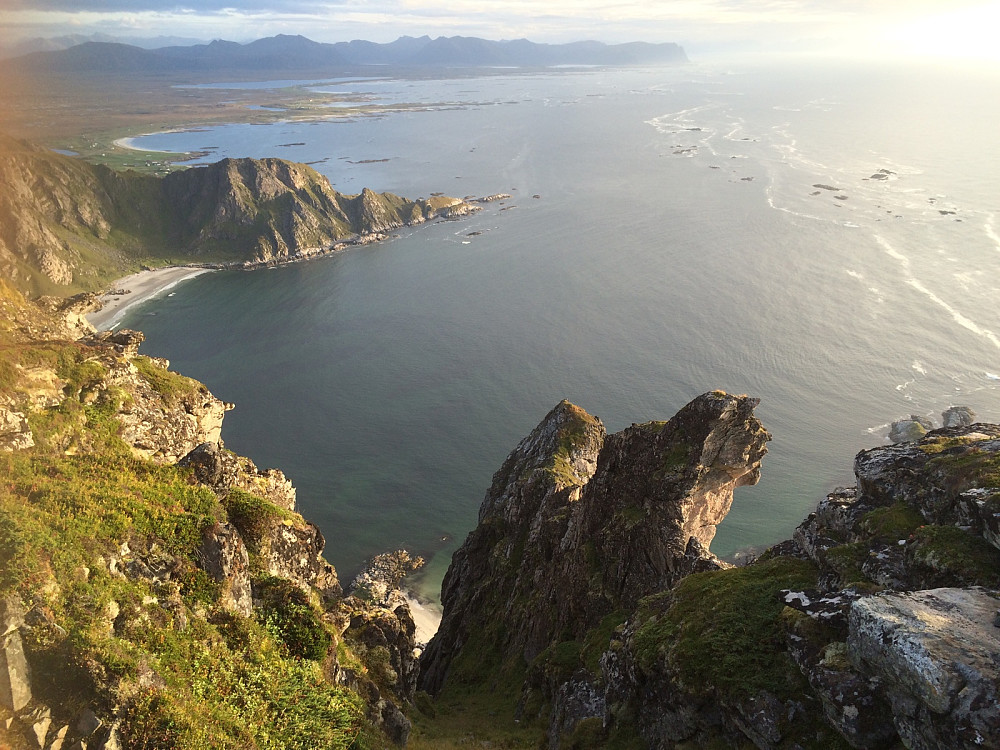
(589, 580)
(156, 589)
(66, 225)
(578, 526)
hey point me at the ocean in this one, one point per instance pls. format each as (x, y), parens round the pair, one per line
(822, 236)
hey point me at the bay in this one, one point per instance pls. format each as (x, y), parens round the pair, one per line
(822, 237)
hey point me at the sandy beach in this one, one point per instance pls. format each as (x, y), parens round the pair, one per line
(141, 286)
(426, 616)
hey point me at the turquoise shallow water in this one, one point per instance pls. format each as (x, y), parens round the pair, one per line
(678, 244)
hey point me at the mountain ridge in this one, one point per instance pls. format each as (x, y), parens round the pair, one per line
(296, 52)
(67, 225)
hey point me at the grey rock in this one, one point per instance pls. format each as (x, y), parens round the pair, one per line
(909, 430)
(224, 557)
(295, 551)
(15, 434)
(958, 416)
(935, 652)
(15, 677)
(574, 701)
(87, 722)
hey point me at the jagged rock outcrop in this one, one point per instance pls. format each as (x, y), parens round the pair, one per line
(66, 225)
(577, 525)
(223, 470)
(876, 625)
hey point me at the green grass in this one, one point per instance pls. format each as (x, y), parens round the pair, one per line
(721, 630)
(171, 386)
(253, 516)
(954, 552)
(893, 522)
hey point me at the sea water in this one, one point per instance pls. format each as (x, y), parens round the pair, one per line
(821, 236)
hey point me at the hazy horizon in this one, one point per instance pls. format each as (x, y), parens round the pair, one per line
(707, 28)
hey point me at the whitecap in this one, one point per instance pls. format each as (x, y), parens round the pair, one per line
(918, 367)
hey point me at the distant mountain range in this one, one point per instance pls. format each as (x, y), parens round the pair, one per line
(285, 53)
(54, 43)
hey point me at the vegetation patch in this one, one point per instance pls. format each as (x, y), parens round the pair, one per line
(289, 616)
(967, 466)
(847, 560)
(721, 630)
(951, 551)
(253, 516)
(893, 522)
(172, 387)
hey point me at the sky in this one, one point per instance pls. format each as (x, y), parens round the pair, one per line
(945, 28)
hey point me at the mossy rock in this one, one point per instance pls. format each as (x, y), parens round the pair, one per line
(721, 630)
(952, 553)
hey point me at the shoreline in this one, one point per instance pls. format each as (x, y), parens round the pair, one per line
(426, 616)
(142, 287)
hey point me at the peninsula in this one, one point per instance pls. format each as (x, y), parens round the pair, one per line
(69, 226)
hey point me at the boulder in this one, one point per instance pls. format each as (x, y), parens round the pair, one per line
(935, 654)
(15, 434)
(957, 416)
(909, 430)
(15, 681)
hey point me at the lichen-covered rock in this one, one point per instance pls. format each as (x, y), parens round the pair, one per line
(574, 701)
(224, 557)
(294, 551)
(935, 652)
(15, 434)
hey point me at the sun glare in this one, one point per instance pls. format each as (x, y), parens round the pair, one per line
(966, 33)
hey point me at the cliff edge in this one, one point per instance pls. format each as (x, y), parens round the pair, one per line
(588, 605)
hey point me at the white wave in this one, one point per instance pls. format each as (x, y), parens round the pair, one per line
(854, 274)
(991, 232)
(918, 367)
(962, 320)
(991, 376)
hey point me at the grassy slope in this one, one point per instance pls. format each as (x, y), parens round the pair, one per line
(78, 500)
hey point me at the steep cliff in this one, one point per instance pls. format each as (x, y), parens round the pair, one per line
(588, 587)
(66, 225)
(578, 527)
(156, 589)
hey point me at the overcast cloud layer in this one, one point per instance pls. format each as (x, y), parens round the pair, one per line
(950, 27)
